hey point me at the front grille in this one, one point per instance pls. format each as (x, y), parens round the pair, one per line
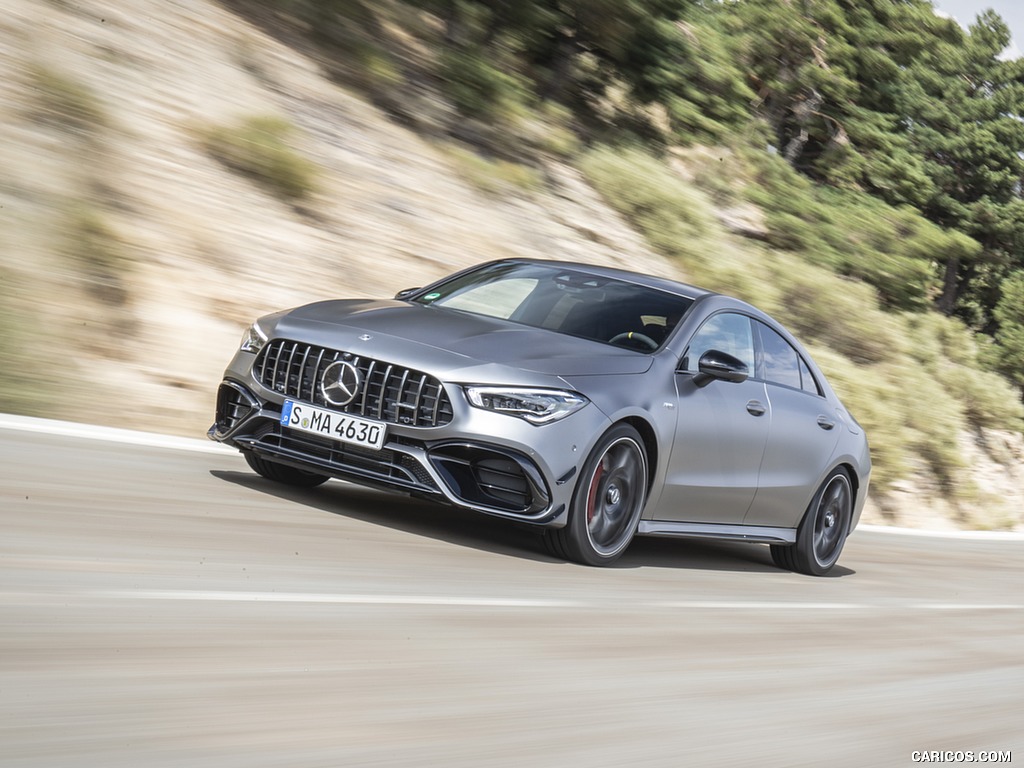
(390, 393)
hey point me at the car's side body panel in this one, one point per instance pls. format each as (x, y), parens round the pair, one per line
(795, 455)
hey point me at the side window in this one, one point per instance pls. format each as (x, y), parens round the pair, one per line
(781, 362)
(726, 332)
(807, 381)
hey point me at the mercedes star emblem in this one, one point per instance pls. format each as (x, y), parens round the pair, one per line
(340, 382)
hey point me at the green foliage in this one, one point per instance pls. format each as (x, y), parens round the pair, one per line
(493, 176)
(670, 213)
(479, 88)
(839, 313)
(1009, 313)
(893, 249)
(259, 148)
(950, 353)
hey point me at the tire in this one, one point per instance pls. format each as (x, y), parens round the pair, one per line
(823, 530)
(607, 503)
(282, 473)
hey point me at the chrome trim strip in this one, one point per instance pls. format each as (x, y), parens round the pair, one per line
(754, 533)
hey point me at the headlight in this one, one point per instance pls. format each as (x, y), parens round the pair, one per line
(537, 406)
(253, 339)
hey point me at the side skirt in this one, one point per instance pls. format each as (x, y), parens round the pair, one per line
(760, 534)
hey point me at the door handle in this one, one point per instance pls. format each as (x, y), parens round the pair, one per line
(756, 408)
(825, 422)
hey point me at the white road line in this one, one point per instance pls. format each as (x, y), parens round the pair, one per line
(457, 601)
(155, 440)
(973, 535)
(754, 605)
(110, 434)
(968, 607)
(343, 599)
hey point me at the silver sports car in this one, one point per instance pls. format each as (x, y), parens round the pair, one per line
(593, 403)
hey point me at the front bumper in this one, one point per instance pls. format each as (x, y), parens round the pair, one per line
(486, 462)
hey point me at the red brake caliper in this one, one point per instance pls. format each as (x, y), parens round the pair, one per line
(592, 497)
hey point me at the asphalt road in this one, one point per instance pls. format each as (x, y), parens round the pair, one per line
(163, 606)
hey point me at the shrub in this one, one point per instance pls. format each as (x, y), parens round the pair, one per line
(671, 214)
(836, 312)
(893, 249)
(480, 89)
(258, 147)
(493, 176)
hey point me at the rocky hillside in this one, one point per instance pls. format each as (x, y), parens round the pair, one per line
(138, 240)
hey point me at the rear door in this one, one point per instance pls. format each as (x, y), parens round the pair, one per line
(802, 438)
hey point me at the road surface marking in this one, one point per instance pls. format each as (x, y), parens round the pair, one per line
(542, 603)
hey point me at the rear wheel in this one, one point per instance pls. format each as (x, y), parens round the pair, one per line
(282, 473)
(607, 503)
(823, 531)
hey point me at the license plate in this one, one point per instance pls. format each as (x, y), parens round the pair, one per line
(340, 426)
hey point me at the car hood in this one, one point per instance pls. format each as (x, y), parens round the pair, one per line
(429, 338)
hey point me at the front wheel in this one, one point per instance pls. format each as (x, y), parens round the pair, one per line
(609, 497)
(823, 531)
(282, 473)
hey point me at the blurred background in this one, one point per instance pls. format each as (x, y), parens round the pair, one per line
(171, 170)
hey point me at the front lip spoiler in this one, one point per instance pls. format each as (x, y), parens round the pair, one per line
(304, 461)
(437, 493)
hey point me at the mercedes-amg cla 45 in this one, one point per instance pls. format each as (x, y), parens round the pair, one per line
(593, 403)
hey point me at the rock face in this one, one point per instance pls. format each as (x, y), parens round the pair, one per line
(994, 460)
(206, 250)
(131, 259)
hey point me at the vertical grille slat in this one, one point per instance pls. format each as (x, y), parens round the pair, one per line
(314, 390)
(383, 394)
(391, 393)
(366, 386)
(418, 401)
(277, 364)
(301, 381)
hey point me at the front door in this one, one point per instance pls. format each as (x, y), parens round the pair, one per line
(721, 432)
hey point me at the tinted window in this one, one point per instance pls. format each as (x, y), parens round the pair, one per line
(783, 364)
(725, 332)
(807, 379)
(781, 361)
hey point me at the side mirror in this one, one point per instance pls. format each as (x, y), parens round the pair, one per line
(715, 364)
(406, 293)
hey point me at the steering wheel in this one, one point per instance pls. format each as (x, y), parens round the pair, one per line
(633, 336)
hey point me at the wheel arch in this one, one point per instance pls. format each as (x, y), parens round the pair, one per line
(650, 438)
(851, 473)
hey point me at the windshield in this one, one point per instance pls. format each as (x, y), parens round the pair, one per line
(564, 300)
